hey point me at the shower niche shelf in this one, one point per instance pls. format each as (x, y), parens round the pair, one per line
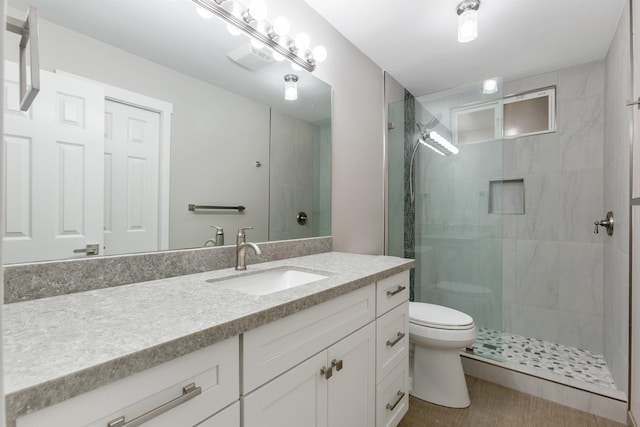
(506, 197)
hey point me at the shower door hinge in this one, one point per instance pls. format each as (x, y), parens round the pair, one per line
(391, 125)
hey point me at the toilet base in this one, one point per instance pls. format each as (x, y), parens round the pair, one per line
(438, 377)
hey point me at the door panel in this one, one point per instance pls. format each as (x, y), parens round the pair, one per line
(53, 166)
(294, 399)
(352, 388)
(132, 144)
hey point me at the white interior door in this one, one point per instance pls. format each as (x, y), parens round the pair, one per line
(131, 184)
(53, 169)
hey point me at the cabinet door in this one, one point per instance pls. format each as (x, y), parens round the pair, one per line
(352, 385)
(296, 398)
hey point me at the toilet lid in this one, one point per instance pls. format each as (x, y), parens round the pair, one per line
(437, 316)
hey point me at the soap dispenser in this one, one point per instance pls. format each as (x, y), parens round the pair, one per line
(219, 240)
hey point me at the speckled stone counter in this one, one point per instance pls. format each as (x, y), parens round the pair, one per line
(59, 347)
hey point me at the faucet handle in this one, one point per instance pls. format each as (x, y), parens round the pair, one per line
(241, 230)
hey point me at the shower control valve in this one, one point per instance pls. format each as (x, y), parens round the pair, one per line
(606, 223)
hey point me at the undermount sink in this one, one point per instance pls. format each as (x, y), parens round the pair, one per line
(269, 281)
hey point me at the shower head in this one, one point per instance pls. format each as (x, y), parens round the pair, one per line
(424, 128)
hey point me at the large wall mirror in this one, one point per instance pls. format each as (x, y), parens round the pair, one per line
(143, 112)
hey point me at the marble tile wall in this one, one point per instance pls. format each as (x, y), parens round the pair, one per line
(291, 176)
(552, 260)
(616, 158)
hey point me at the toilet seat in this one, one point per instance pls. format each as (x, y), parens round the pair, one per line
(438, 317)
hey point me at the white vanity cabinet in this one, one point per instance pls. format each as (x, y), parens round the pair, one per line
(333, 388)
(313, 368)
(185, 391)
(392, 349)
(340, 363)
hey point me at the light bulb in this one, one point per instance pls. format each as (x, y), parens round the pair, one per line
(290, 87)
(233, 30)
(258, 9)
(319, 53)
(203, 12)
(302, 41)
(489, 86)
(468, 26)
(281, 26)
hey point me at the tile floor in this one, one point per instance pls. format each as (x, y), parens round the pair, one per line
(563, 360)
(496, 406)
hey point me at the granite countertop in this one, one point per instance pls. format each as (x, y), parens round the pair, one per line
(59, 347)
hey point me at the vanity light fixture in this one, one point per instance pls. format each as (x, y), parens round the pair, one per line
(468, 20)
(290, 87)
(250, 20)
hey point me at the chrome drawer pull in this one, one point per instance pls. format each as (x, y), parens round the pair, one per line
(188, 392)
(397, 291)
(395, 341)
(392, 406)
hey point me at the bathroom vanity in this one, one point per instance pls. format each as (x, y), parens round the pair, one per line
(194, 350)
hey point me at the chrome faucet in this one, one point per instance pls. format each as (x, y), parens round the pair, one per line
(241, 247)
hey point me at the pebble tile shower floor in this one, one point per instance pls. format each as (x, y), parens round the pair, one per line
(551, 358)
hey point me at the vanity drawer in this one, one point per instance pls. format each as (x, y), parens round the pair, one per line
(215, 370)
(272, 349)
(392, 396)
(392, 339)
(392, 291)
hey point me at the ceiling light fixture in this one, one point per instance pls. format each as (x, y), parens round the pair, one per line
(290, 87)
(489, 86)
(468, 20)
(250, 20)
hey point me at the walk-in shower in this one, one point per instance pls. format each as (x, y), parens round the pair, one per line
(503, 229)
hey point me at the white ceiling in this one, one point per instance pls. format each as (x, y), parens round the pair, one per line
(415, 40)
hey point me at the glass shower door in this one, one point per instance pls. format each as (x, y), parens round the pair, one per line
(445, 205)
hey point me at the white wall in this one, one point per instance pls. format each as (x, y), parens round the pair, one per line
(357, 131)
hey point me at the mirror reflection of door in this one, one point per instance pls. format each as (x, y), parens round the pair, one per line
(53, 163)
(131, 150)
(80, 171)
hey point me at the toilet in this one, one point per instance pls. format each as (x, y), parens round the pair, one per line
(436, 335)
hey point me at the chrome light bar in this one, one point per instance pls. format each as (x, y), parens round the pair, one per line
(284, 45)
